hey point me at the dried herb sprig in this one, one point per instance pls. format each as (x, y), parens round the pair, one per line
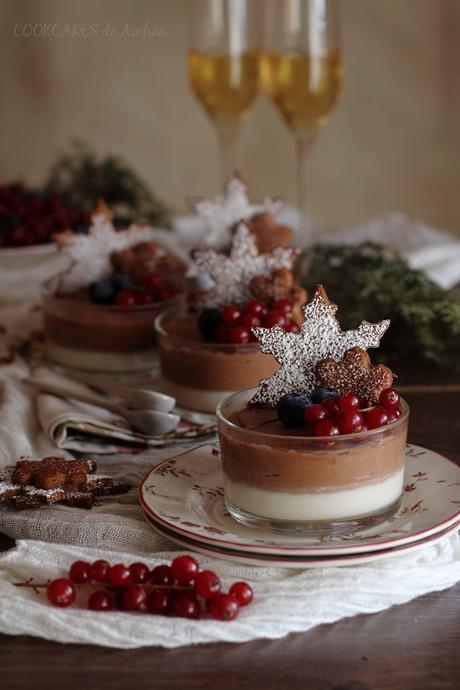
(368, 282)
(81, 177)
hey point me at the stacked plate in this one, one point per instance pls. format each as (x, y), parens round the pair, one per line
(182, 499)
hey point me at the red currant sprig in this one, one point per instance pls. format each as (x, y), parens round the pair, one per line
(342, 414)
(181, 589)
(233, 324)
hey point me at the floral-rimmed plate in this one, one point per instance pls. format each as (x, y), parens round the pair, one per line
(184, 494)
(297, 561)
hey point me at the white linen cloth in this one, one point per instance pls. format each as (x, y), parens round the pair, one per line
(285, 600)
(76, 426)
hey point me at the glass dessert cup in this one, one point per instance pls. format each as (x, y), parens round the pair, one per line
(200, 374)
(91, 337)
(281, 479)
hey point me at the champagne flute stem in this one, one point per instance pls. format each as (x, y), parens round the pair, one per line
(304, 146)
(226, 136)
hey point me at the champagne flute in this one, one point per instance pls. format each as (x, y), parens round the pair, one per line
(223, 66)
(302, 74)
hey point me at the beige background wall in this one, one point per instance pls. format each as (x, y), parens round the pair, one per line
(393, 142)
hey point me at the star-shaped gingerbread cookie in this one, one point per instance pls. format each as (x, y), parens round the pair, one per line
(355, 373)
(90, 254)
(320, 337)
(231, 275)
(224, 211)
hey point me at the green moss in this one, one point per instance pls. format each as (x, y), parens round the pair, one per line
(369, 283)
(82, 179)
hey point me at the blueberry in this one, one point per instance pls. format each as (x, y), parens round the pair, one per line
(319, 395)
(208, 321)
(80, 229)
(291, 408)
(102, 292)
(121, 281)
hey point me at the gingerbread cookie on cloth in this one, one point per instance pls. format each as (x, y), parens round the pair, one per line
(33, 483)
(355, 372)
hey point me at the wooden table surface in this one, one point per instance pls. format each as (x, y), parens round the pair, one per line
(411, 647)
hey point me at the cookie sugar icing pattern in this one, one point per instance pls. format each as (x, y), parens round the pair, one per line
(320, 337)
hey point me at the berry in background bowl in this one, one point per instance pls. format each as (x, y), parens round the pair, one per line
(320, 445)
(30, 217)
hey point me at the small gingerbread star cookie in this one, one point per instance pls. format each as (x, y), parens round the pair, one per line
(355, 373)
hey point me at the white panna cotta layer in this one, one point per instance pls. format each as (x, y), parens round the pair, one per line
(101, 361)
(193, 398)
(320, 505)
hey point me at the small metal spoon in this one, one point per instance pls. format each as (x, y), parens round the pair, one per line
(151, 422)
(137, 398)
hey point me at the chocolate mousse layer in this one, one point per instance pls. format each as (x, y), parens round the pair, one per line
(262, 453)
(187, 360)
(75, 323)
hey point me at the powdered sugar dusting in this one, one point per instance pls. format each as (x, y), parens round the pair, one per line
(223, 211)
(232, 274)
(355, 373)
(320, 337)
(90, 254)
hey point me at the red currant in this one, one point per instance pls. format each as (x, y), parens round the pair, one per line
(348, 401)
(152, 281)
(350, 420)
(164, 293)
(313, 413)
(292, 327)
(231, 315)
(222, 333)
(61, 592)
(100, 601)
(238, 334)
(134, 598)
(80, 572)
(242, 592)
(162, 575)
(376, 416)
(255, 308)
(160, 601)
(207, 583)
(250, 321)
(389, 398)
(184, 569)
(119, 575)
(223, 607)
(139, 572)
(332, 405)
(125, 298)
(284, 305)
(186, 605)
(326, 427)
(100, 571)
(275, 318)
(144, 297)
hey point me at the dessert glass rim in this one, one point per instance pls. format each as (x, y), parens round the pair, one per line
(46, 291)
(360, 435)
(181, 311)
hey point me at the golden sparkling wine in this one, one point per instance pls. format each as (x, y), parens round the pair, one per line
(303, 87)
(226, 85)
